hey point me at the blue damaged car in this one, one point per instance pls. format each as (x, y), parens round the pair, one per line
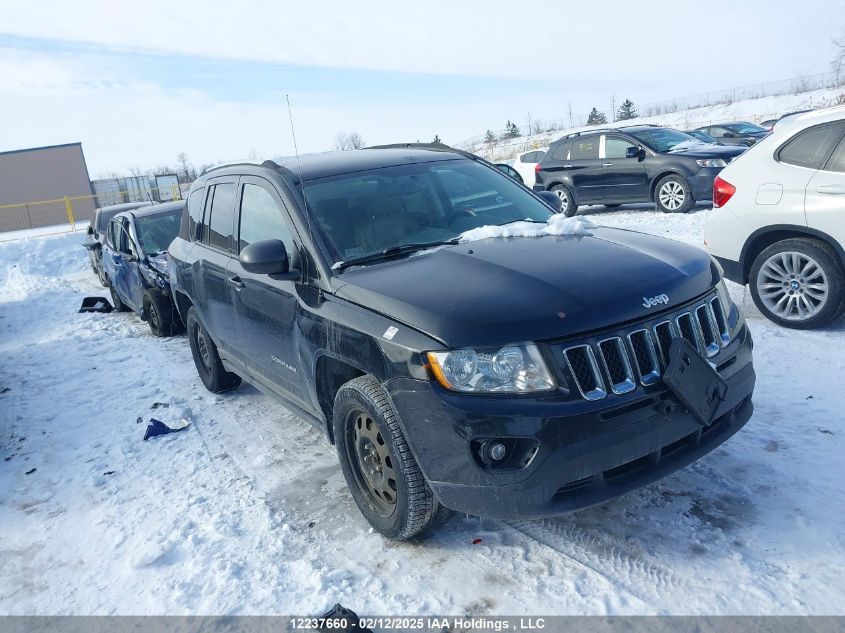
(135, 263)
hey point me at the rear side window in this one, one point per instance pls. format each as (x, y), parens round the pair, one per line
(193, 215)
(837, 159)
(560, 152)
(221, 220)
(810, 147)
(585, 148)
(262, 219)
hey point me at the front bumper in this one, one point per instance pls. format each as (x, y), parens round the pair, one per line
(587, 453)
(702, 182)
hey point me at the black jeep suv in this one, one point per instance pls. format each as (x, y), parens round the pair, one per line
(500, 376)
(632, 164)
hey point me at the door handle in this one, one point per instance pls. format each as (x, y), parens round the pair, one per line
(607, 164)
(236, 282)
(836, 190)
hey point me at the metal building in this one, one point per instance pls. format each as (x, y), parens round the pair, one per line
(39, 184)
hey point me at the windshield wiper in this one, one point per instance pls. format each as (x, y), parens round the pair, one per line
(393, 251)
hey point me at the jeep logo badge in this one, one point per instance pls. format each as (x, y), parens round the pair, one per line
(653, 301)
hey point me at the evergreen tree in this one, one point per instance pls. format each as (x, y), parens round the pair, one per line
(489, 137)
(596, 118)
(512, 130)
(626, 111)
(436, 139)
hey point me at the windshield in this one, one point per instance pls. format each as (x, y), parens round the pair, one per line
(745, 128)
(155, 232)
(368, 212)
(662, 140)
(702, 136)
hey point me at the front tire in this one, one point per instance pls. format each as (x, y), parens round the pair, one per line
(798, 283)
(160, 313)
(567, 204)
(117, 302)
(673, 195)
(209, 366)
(381, 473)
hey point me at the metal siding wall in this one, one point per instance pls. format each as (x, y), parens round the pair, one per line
(45, 174)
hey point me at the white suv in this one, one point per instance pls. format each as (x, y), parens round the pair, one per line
(779, 220)
(526, 163)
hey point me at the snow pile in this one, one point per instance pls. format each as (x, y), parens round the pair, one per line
(558, 224)
(694, 145)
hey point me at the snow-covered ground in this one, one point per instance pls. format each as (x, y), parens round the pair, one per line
(246, 511)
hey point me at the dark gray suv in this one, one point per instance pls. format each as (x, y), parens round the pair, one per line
(632, 164)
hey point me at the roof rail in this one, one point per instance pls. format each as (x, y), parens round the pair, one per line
(440, 146)
(582, 132)
(246, 161)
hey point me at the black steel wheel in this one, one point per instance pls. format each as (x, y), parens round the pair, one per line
(380, 470)
(209, 366)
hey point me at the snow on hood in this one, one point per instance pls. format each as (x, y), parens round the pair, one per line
(558, 224)
(693, 144)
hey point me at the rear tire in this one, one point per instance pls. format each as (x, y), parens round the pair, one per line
(567, 204)
(380, 470)
(209, 366)
(673, 195)
(160, 313)
(798, 283)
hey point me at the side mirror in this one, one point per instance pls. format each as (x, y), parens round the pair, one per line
(551, 199)
(267, 257)
(90, 230)
(633, 152)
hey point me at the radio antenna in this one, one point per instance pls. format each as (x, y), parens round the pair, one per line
(299, 167)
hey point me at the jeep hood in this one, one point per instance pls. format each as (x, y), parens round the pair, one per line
(510, 290)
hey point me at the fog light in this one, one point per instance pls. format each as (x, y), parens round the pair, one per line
(497, 451)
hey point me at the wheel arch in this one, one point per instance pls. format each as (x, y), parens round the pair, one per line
(183, 303)
(652, 186)
(330, 374)
(764, 237)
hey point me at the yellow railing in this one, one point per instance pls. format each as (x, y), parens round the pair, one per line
(72, 209)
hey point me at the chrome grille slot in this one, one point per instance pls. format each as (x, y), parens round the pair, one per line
(645, 356)
(688, 330)
(620, 362)
(707, 328)
(585, 370)
(664, 333)
(721, 321)
(614, 358)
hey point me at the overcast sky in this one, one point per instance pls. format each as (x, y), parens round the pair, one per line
(138, 84)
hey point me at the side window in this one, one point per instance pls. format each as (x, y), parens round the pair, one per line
(809, 148)
(615, 147)
(585, 148)
(560, 152)
(530, 157)
(262, 219)
(220, 216)
(837, 160)
(194, 213)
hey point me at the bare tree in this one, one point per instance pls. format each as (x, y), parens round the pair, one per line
(838, 63)
(351, 140)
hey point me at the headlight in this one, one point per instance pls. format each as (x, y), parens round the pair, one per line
(510, 369)
(711, 162)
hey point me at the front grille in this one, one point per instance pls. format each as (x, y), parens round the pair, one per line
(615, 364)
(585, 370)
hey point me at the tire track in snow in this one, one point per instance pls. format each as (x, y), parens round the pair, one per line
(643, 579)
